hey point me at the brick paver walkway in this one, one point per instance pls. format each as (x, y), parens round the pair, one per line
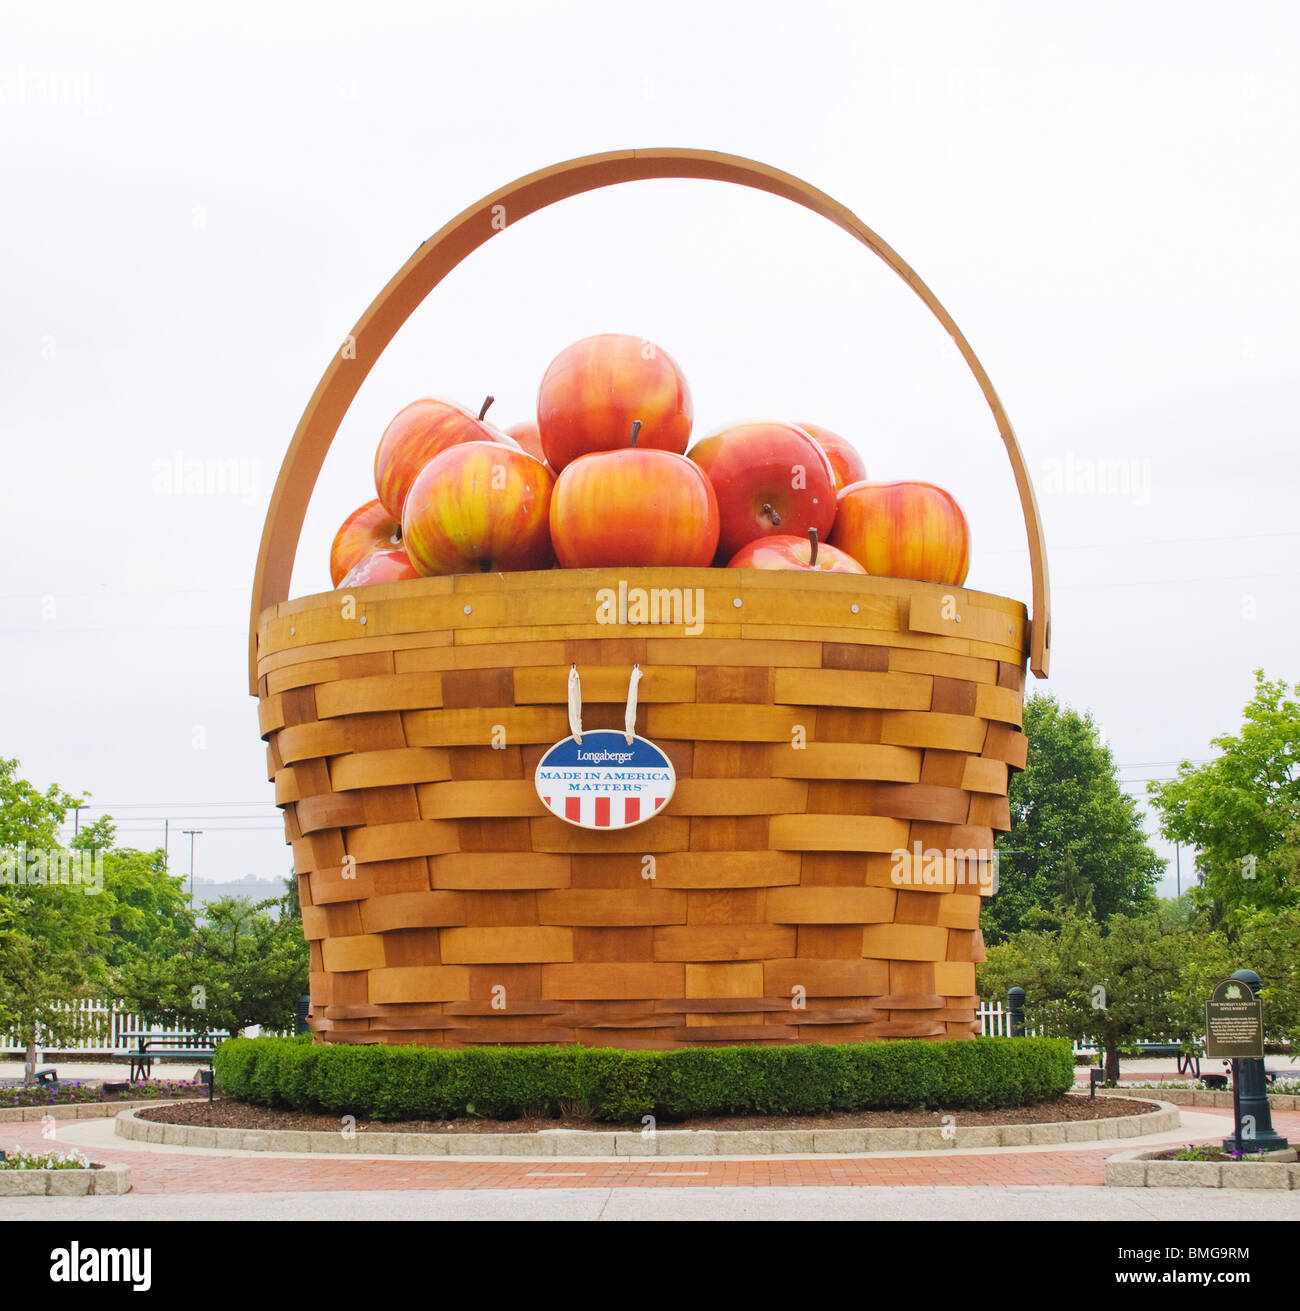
(181, 1172)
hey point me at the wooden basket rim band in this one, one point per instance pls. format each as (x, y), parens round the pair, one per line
(473, 227)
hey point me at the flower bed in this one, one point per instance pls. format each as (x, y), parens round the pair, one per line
(1209, 1152)
(76, 1091)
(21, 1159)
(1175, 1168)
(49, 1173)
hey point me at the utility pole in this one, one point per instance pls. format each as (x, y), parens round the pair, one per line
(193, 833)
(1178, 867)
(166, 861)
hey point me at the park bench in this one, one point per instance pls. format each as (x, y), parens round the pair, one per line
(149, 1048)
(1188, 1062)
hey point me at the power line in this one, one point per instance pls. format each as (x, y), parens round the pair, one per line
(149, 805)
(1164, 582)
(227, 828)
(1154, 541)
(159, 819)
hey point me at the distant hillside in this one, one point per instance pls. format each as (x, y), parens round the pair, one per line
(250, 886)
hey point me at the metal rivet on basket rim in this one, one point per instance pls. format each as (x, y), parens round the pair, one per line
(469, 609)
(854, 607)
(737, 603)
(363, 619)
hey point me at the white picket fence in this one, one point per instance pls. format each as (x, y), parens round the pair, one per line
(103, 1025)
(996, 1020)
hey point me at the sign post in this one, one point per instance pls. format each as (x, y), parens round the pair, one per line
(1234, 1030)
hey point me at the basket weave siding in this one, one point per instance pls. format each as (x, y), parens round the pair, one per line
(820, 725)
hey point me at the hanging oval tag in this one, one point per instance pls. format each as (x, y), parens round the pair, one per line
(605, 782)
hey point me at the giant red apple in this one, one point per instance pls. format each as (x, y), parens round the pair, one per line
(790, 552)
(770, 478)
(371, 528)
(634, 506)
(845, 458)
(380, 567)
(904, 530)
(419, 432)
(597, 388)
(526, 434)
(479, 507)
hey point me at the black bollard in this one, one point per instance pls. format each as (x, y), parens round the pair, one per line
(1016, 1009)
(1252, 1119)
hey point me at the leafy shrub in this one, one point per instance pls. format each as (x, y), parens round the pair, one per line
(432, 1083)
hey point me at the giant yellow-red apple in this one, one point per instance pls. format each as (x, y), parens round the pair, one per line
(371, 528)
(380, 567)
(771, 479)
(479, 507)
(634, 506)
(597, 388)
(526, 434)
(904, 530)
(420, 431)
(846, 460)
(790, 552)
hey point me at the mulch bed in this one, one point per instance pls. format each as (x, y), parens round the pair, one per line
(225, 1114)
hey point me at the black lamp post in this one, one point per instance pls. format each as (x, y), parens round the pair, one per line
(1016, 1011)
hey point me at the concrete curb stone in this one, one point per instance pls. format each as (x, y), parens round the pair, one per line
(1245, 1174)
(99, 1180)
(66, 1183)
(665, 1142)
(635, 1144)
(1183, 1174)
(80, 1110)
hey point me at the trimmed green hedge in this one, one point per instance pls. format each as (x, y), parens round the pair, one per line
(432, 1083)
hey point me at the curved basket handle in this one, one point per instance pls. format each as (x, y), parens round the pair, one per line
(479, 223)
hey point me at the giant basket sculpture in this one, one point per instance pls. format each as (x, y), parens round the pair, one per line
(842, 746)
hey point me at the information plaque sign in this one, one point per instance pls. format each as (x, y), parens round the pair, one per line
(1234, 1023)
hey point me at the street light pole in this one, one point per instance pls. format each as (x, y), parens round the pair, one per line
(193, 833)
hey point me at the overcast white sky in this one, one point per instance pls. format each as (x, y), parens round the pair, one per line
(199, 202)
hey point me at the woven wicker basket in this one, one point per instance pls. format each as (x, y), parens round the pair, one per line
(839, 742)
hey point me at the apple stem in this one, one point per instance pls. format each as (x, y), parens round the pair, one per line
(812, 537)
(636, 428)
(772, 515)
(483, 409)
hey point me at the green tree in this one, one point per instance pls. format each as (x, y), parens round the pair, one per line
(1268, 942)
(1076, 842)
(240, 966)
(1138, 977)
(52, 934)
(64, 940)
(1241, 810)
(147, 902)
